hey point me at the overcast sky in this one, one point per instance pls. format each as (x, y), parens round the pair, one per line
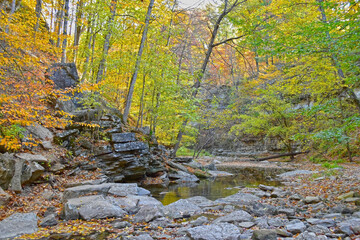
(192, 3)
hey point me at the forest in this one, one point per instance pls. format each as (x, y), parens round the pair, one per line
(156, 119)
(290, 68)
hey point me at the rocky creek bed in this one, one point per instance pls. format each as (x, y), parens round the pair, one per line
(313, 203)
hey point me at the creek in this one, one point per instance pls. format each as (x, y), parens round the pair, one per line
(215, 188)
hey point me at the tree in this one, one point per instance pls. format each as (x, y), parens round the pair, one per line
(138, 62)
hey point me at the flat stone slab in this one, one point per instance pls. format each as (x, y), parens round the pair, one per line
(123, 137)
(130, 146)
(215, 232)
(117, 189)
(32, 157)
(18, 224)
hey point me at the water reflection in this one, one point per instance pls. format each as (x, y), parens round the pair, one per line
(211, 188)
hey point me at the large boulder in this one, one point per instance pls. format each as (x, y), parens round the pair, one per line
(116, 189)
(19, 169)
(64, 76)
(7, 168)
(18, 224)
(100, 209)
(109, 200)
(181, 208)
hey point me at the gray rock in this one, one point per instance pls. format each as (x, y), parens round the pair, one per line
(283, 233)
(121, 225)
(181, 176)
(177, 166)
(199, 221)
(246, 235)
(99, 210)
(266, 188)
(264, 234)
(224, 231)
(346, 195)
(122, 137)
(40, 132)
(57, 167)
(319, 229)
(295, 227)
(65, 134)
(277, 193)
(287, 211)
(18, 224)
(311, 200)
(4, 197)
(103, 150)
(144, 200)
(277, 222)
(47, 145)
(323, 222)
(356, 214)
(7, 168)
(64, 75)
(246, 224)
(148, 213)
(31, 172)
(130, 146)
(123, 190)
(71, 207)
(32, 157)
(49, 220)
(296, 197)
(144, 236)
(261, 209)
(333, 215)
(201, 201)
(239, 199)
(48, 194)
(131, 203)
(350, 227)
(143, 192)
(236, 217)
(15, 183)
(181, 208)
(296, 173)
(309, 236)
(262, 222)
(78, 191)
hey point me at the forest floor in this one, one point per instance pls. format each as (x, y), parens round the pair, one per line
(328, 181)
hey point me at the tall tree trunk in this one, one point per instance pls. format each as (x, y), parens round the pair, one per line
(138, 62)
(107, 42)
(12, 11)
(77, 33)
(59, 21)
(38, 9)
(66, 19)
(141, 107)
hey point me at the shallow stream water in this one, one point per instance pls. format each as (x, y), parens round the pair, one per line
(210, 188)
